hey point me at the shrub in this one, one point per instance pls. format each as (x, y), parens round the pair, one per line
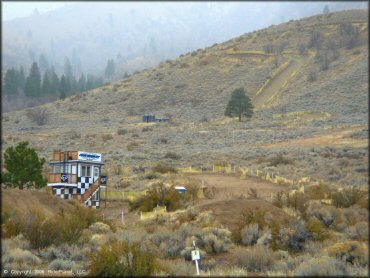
(360, 231)
(323, 266)
(121, 131)
(250, 234)
(277, 199)
(258, 258)
(214, 240)
(163, 168)
(121, 259)
(352, 252)
(280, 159)
(317, 229)
(60, 264)
(12, 223)
(324, 213)
(295, 235)
(18, 259)
(41, 232)
(38, 116)
(312, 76)
(106, 137)
(172, 155)
(99, 228)
(132, 145)
(159, 195)
(347, 197)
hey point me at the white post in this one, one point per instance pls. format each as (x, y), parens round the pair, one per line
(196, 261)
(196, 264)
(122, 217)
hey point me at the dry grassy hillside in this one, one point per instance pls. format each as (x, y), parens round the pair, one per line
(320, 125)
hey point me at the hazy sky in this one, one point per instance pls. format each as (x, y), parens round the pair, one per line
(11, 10)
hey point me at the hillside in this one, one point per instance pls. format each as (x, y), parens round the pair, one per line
(193, 91)
(137, 35)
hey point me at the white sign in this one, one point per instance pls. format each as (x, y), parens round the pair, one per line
(96, 157)
(195, 255)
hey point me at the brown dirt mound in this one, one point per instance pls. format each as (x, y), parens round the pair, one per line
(228, 212)
(40, 200)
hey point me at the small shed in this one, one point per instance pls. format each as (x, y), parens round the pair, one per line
(180, 189)
(148, 118)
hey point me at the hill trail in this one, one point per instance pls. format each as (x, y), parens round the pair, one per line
(278, 83)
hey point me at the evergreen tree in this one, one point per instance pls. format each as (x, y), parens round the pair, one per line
(21, 78)
(11, 83)
(23, 167)
(73, 84)
(110, 68)
(239, 105)
(63, 88)
(90, 82)
(68, 72)
(33, 82)
(46, 85)
(82, 83)
(43, 63)
(54, 79)
(326, 9)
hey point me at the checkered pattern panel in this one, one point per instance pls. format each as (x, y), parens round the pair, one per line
(83, 184)
(64, 193)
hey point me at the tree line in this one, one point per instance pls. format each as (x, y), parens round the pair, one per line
(37, 85)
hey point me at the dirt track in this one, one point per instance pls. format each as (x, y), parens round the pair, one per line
(230, 186)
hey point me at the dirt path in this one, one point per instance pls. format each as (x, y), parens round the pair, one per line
(230, 186)
(336, 138)
(278, 83)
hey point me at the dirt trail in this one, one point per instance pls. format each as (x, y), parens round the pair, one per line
(230, 186)
(278, 83)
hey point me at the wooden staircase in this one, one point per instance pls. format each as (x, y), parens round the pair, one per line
(83, 198)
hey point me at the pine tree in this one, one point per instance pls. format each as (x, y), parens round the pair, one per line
(23, 167)
(11, 83)
(54, 79)
(326, 9)
(110, 68)
(33, 82)
(46, 85)
(21, 78)
(43, 63)
(239, 105)
(73, 83)
(82, 83)
(68, 72)
(90, 82)
(63, 88)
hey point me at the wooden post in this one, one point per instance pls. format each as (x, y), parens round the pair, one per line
(122, 217)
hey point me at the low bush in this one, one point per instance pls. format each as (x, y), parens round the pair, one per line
(347, 197)
(325, 214)
(132, 145)
(360, 231)
(121, 131)
(106, 137)
(163, 169)
(41, 232)
(323, 266)
(172, 155)
(38, 116)
(317, 229)
(280, 159)
(353, 252)
(257, 258)
(214, 240)
(19, 259)
(158, 195)
(60, 264)
(250, 234)
(295, 235)
(121, 259)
